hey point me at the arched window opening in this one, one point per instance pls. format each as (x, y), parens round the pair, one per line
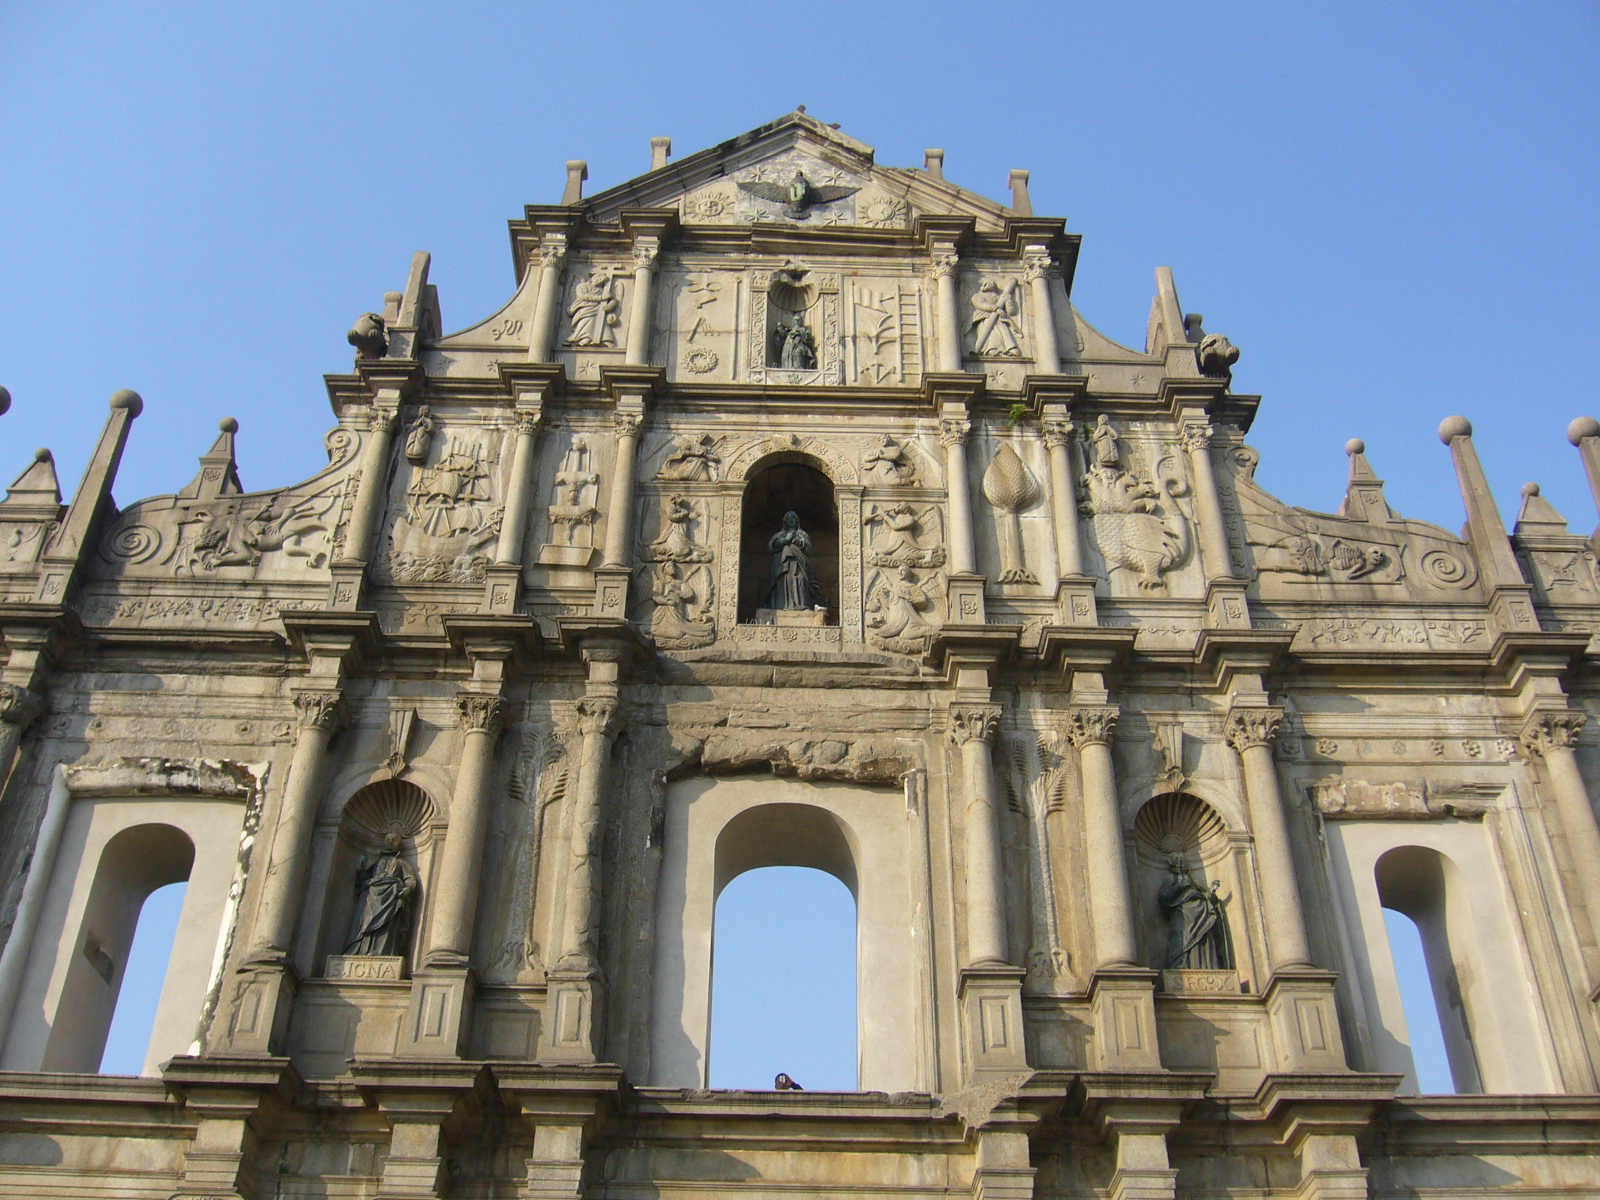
(1428, 1057)
(772, 493)
(1414, 882)
(784, 981)
(135, 863)
(784, 960)
(155, 934)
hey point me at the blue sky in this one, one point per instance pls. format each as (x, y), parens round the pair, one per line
(1389, 207)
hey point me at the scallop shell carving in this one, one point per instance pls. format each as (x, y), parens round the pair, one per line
(392, 804)
(1008, 484)
(1180, 824)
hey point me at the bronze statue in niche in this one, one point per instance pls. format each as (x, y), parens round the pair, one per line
(385, 887)
(793, 583)
(1197, 922)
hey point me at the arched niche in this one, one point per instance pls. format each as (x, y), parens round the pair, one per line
(1177, 828)
(783, 483)
(371, 814)
(715, 830)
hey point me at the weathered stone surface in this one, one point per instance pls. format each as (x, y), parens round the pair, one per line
(516, 637)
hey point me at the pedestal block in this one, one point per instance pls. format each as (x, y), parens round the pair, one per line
(438, 1017)
(1302, 1008)
(1124, 1006)
(263, 997)
(991, 1016)
(567, 1032)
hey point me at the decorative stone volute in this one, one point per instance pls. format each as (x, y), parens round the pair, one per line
(974, 722)
(1092, 725)
(1553, 729)
(1253, 726)
(323, 709)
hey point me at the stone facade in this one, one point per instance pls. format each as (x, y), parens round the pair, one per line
(457, 741)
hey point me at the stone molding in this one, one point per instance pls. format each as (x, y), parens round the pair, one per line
(1254, 726)
(1092, 725)
(974, 722)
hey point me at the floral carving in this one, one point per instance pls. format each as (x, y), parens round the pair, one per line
(322, 709)
(598, 716)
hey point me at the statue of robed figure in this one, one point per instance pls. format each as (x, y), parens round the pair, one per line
(384, 890)
(794, 584)
(1197, 930)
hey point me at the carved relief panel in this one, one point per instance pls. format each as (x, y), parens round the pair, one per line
(1135, 493)
(702, 314)
(445, 504)
(885, 341)
(285, 535)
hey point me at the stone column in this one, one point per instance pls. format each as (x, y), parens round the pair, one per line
(455, 906)
(1036, 268)
(322, 715)
(619, 514)
(645, 252)
(14, 960)
(519, 491)
(374, 475)
(1251, 731)
(973, 728)
(19, 707)
(1553, 735)
(1058, 434)
(945, 263)
(1195, 437)
(953, 434)
(1091, 729)
(597, 723)
(552, 254)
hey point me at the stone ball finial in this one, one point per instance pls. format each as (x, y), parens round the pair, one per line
(129, 400)
(42, 454)
(1530, 489)
(1579, 429)
(229, 425)
(5, 401)
(1453, 427)
(1354, 447)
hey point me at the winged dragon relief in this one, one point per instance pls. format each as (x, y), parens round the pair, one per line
(798, 196)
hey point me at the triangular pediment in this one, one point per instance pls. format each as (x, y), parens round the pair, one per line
(757, 178)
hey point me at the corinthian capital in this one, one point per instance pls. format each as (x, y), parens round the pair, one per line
(598, 715)
(1195, 437)
(974, 722)
(381, 420)
(1092, 725)
(1255, 726)
(482, 713)
(1553, 730)
(645, 252)
(323, 709)
(627, 424)
(552, 250)
(18, 705)
(953, 431)
(945, 262)
(1056, 432)
(1036, 264)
